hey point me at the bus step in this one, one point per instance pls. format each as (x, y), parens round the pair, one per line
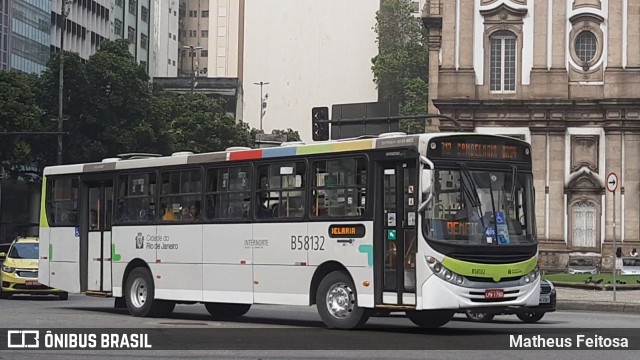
(97, 293)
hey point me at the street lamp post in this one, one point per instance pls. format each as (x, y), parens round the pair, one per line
(263, 101)
(192, 53)
(65, 9)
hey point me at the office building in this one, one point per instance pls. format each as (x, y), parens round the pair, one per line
(24, 35)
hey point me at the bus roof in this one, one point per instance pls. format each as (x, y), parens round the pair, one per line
(392, 140)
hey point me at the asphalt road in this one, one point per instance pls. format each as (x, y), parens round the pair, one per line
(278, 327)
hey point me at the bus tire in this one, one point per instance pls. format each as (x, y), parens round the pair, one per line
(530, 317)
(140, 295)
(430, 319)
(63, 296)
(337, 302)
(226, 311)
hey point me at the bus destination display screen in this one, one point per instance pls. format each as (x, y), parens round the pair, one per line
(478, 148)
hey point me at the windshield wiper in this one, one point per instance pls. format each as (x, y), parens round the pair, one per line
(471, 190)
(512, 201)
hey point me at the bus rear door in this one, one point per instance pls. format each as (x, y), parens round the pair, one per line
(96, 234)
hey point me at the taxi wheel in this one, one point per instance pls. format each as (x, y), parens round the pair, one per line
(140, 296)
(63, 296)
(530, 317)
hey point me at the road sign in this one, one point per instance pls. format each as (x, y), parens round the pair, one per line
(612, 182)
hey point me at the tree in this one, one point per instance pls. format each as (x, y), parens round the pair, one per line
(292, 135)
(199, 123)
(19, 112)
(401, 67)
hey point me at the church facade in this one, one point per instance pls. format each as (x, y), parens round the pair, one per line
(565, 76)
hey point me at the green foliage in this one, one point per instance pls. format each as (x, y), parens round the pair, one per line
(111, 108)
(19, 111)
(401, 67)
(292, 135)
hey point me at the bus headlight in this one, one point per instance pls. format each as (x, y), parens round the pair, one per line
(531, 276)
(443, 273)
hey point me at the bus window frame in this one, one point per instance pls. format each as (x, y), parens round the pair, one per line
(255, 189)
(116, 181)
(159, 182)
(228, 165)
(49, 199)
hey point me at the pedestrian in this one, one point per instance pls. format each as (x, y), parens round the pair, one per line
(634, 252)
(618, 260)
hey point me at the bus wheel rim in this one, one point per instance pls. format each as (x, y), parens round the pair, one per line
(139, 293)
(340, 300)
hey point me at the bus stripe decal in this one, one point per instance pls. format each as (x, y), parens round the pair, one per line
(245, 155)
(275, 152)
(314, 149)
(353, 145)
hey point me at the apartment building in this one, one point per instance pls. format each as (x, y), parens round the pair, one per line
(87, 25)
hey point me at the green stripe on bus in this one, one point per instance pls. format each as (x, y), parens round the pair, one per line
(114, 255)
(314, 149)
(493, 271)
(50, 252)
(43, 198)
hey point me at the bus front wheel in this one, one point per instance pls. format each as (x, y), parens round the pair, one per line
(140, 295)
(337, 302)
(430, 318)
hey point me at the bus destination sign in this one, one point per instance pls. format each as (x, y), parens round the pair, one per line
(477, 148)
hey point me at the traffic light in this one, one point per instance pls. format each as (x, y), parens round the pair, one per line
(320, 129)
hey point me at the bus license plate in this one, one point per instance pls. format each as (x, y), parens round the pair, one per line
(494, 294)
(545, 298)
(33, 283)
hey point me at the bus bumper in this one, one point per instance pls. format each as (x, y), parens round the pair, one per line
(439, 294)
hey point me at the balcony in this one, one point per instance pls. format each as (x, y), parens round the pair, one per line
(432, 14)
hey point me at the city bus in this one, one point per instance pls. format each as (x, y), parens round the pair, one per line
(423, 224)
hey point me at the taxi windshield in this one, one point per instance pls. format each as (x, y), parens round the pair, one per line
(24, 251)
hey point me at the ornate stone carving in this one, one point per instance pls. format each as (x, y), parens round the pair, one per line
(584, 152)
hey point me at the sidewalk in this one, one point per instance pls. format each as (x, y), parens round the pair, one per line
(598, 300)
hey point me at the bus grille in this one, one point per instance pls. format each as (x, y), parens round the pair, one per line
(493, 300)
(490, 280)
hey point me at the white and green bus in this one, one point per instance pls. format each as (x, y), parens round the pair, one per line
(423, 224)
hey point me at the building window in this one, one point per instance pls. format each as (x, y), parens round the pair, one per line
(205, 13)
(118, 2)
(586, 46)
(144, 41)
(204, 33)
(222, 12)
(133, 9)
(193, 13)
(415, 7)
(193, 33)
(222, 31)
(144, 14)
(132, 35)
(204, 53)
(118, 27)
(503, 62)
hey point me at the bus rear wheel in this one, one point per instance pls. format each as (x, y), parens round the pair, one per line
(337, 302)
(140, 296)
(430, 319)
(227, 311)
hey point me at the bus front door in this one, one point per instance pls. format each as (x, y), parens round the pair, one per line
(396, 223)
(96, 228)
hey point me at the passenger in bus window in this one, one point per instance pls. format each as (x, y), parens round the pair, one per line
(194, 211)
(263, 211)
(168, 214)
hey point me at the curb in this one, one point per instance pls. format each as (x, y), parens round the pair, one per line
(604, 287)
(599, 306)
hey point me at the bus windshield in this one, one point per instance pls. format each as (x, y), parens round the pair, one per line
(479, 207)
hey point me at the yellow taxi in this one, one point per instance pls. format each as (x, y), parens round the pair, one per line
(20, 271)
